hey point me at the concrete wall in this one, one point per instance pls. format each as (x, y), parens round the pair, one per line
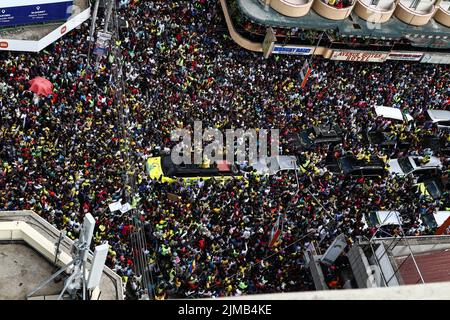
(442, 16)
(434, 291)
(372, 14)
(410, 17)
(240, 40)
(330, 12)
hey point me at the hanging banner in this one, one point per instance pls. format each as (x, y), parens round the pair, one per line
(102, 44)
(23, 12)
(364, 56)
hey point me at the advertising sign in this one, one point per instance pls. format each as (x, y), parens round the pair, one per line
(38, 45)
(21, 12)
(405, 56)
(436, 58)
(280, 49)
(365, 56)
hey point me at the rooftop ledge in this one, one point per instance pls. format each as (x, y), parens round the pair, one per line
(29, 228)
(292, 8)
(330, 12)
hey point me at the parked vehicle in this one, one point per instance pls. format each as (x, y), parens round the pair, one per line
(351, 166)
(324, 134)
(440, 117)
(414, 165)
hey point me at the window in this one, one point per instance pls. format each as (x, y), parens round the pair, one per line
(444, 123)
(372, 171)
(427, 171)
(433, 189)
(405, 165)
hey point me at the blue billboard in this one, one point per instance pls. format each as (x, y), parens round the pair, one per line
(21, 12)
(280, 49)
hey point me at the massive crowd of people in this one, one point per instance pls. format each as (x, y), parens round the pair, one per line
(64, 155)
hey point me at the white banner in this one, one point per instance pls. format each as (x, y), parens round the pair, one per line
(65, 28)
(405, 56)
(365, 56)
(20, 3)
(436, 58)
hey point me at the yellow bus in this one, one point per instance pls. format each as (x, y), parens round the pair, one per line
(164, 169)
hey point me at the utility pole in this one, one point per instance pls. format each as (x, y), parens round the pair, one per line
(91, 33)
(94, 19)
(108, 14)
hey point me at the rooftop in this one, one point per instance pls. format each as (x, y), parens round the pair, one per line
(22, 269)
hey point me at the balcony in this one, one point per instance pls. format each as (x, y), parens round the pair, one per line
(415, 12)
(292, 8)
(334, 9)
(442, 14)
(375, 11)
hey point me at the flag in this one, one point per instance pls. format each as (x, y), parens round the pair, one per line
(192, 266)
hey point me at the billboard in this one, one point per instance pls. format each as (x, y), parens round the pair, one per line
(436, 58)
(295, 50)
(38, 45)
(22, 12)
(405, 56)
(365, 56)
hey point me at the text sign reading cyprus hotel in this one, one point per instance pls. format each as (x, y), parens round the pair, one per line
(22, 12)
(360, 56)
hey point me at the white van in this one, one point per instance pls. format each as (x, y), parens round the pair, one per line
(382, 218)
(440, 117)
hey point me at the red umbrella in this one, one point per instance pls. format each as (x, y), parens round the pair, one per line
(41, 86)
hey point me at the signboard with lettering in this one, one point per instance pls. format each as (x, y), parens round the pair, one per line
(38, 45)
(365, 56)
(280, 49)
(436, 58)
(22, 12)
(405, 56)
